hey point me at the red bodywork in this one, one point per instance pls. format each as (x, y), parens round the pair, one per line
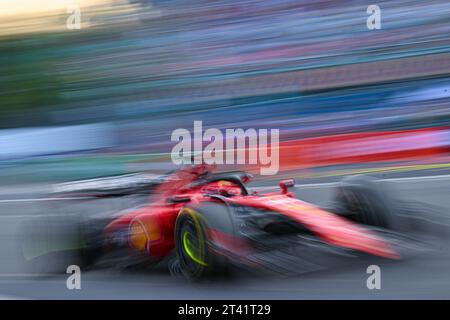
(157, 220)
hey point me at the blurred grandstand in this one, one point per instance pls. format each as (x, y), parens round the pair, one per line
(310, 68)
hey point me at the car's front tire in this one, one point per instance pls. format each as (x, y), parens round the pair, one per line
(196, 256)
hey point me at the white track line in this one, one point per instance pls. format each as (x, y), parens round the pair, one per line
(302, 186)
(438, 177)
(43, 199)
(332, 184)
(8, 297)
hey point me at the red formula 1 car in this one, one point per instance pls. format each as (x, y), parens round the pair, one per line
(208, 221)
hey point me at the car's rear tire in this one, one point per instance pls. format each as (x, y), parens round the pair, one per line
(49, 244)
(366, 201)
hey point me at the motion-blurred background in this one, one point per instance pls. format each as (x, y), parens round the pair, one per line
(104, 99)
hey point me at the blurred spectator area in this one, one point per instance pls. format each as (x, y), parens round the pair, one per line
(144, 68)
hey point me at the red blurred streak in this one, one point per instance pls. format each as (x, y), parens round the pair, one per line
(383, 146)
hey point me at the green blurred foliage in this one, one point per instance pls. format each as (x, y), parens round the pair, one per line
(29, 75)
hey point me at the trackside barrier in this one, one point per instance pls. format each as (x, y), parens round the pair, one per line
(352, 148)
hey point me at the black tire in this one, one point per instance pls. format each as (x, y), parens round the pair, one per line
(90, 234)
(367, 201)
(49, 244)
(202, 260)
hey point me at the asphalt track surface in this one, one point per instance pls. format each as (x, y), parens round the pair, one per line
(426, 276)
